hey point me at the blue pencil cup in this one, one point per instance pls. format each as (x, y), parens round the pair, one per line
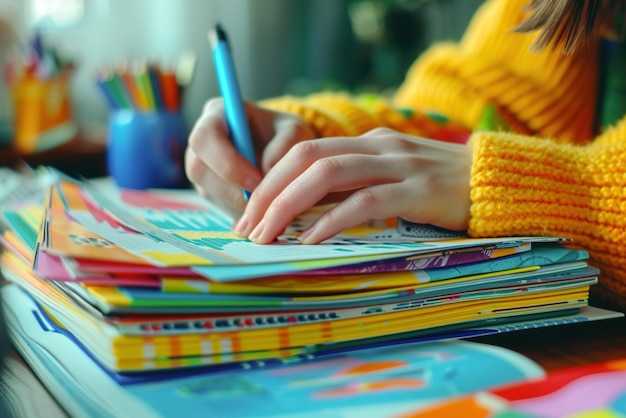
(146, 150)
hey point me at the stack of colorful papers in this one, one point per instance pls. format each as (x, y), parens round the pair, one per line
(146, 281)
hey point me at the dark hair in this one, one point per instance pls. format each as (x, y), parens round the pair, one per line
(570, 24)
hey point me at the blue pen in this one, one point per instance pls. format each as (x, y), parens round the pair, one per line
(233, 103)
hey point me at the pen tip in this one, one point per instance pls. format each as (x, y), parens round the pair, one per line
(216, 35)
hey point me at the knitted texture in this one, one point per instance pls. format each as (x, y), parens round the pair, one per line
(322, 123)
(552, 94)
(530, 186)
(546, 93)
(338, 114)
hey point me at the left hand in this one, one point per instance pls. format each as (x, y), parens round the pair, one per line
(217, 171)
(378, 175)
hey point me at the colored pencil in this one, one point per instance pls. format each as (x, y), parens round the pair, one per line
(145, 87)
(154, 75)
(138, 98)
(143, 80)
(169, 89)
(114, 85)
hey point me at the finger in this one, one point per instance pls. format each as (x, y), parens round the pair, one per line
(288, 131)
(336, 174)
(299, 158)
(377, 202)
(210, 142)
(210, 184)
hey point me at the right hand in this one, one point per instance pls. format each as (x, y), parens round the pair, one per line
(381, 174)
(215, 168)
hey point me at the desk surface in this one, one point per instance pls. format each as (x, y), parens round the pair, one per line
(79, 158)
(553, 348)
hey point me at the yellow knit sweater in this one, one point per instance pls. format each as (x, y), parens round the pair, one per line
(550, 176)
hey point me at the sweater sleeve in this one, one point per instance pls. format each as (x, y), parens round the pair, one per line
(548, 93)
(339, 114)
(542, 93)
(525, 185)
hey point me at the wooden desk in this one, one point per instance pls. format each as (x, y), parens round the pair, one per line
(552, 348)
(555, 348)
(79, 158)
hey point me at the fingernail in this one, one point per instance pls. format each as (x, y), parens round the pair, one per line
(302, 236)
(240, 225)
(257, 231)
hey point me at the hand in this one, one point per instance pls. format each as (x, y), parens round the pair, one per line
(218, 171)
(381, 174)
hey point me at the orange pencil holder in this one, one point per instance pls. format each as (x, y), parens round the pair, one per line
(43, 116)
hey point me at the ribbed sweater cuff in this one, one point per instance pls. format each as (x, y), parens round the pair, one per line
(528, 186)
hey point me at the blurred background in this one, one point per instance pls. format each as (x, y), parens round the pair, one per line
(279, 46)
